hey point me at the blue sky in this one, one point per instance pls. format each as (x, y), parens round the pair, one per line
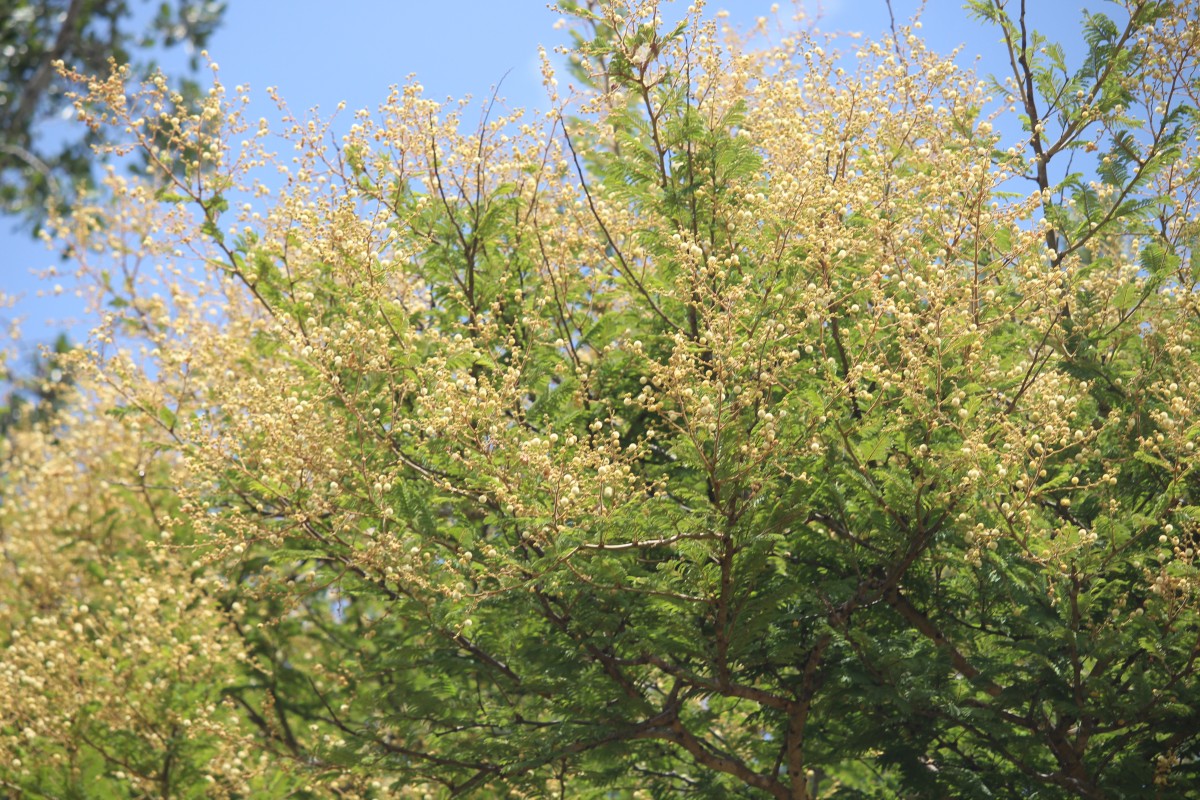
(319, 52)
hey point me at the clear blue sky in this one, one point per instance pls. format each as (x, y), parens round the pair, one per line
(319, 53)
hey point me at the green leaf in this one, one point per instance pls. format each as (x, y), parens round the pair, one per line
(1128, 296)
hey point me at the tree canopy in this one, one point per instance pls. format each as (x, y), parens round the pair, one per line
(771, 418)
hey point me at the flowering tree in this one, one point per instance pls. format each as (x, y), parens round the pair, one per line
(743, 427)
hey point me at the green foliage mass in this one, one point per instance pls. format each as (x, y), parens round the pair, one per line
(747, 431)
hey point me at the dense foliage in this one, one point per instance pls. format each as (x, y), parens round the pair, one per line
(758, 422)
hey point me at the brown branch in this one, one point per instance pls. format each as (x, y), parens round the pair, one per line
(708, 756)
(926, 628)
(727, 688)
(36, 85)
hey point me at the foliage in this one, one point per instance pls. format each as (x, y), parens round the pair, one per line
(39, 164)
(741, 427)
(35, 398)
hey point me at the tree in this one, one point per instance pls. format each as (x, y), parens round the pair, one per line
(741, 428)
(39, 165)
